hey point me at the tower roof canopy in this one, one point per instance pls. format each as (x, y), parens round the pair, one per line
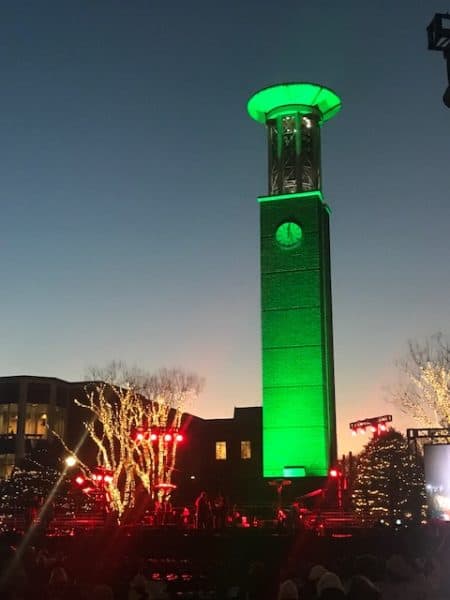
(286, 98)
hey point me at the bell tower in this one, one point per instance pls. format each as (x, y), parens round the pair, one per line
(299, 418)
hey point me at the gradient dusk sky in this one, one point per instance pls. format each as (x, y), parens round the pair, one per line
(130, 171)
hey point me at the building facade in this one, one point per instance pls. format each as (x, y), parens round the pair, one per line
(222, 455)
(30, 407)
(216, 455)
(34, 412)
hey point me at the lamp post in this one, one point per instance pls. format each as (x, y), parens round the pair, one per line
(102, 477)
(279, 484)
(439, 39)
(165, 490)
(164, 441)
(341, 484)
(96, 486)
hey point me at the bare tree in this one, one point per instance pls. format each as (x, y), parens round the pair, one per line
(424, 392)
(134, 421)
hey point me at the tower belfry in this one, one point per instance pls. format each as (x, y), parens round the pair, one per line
(299, 420)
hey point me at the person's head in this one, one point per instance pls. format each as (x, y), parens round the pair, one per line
(332, 594)
(398, 569)
(361, 588)
(312, 577)
(367, 565)
(288, 591)
(101, 592)
(139, 583)
(329, 587)
(256, 569)
(58, 576)
(315, 573)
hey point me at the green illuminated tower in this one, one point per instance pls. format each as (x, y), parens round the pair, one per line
(299, 420)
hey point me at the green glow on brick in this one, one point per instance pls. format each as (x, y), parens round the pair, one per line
(294, 472)
(296, 319)
(289, 98)
(298, 195)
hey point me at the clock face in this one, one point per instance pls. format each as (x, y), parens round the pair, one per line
(289, 234)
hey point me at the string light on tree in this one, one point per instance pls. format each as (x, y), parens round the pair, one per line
(129, 424)
(389, 481)
(70, 461)
(424, 392)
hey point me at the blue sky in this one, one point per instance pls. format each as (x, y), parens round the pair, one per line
(130, 171)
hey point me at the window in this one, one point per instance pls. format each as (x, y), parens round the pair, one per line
(36, 420)
(246, 450)
(8, 419)
(6, 464)
(221, 451)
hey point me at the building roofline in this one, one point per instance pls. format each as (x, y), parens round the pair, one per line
(7, 378)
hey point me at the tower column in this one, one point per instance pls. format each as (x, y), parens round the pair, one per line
(299, 422)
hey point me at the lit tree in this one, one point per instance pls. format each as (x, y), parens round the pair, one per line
(389, 481)
(425, 392)
(125, 407)
(17, 492)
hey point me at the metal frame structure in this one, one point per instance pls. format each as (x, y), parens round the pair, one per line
(433, 434)
(439, 39)
(294, 153)
(370, 422)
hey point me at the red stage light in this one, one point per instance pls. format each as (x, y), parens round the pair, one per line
(382, 427)
(373, 429)
(353, 432)
(333, 473)
(79, 480)
(140, 437)
(108, 478)
(168, 437)
(153, 437)
(99, 477)
(179, 437)
(361, 430)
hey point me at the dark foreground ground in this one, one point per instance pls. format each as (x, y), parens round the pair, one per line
(237, 563)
